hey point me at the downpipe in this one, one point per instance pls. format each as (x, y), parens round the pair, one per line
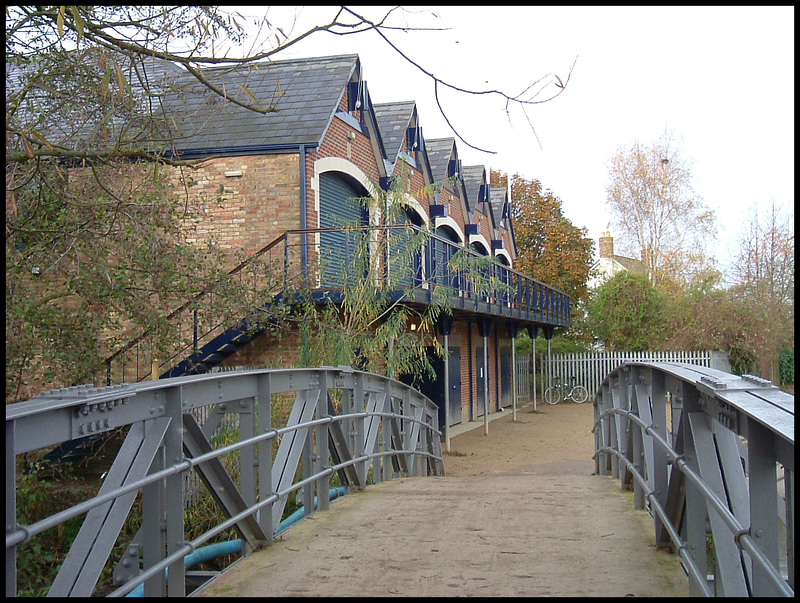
(231, 547)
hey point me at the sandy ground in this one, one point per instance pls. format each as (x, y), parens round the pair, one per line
(552, 438)
(519, 513)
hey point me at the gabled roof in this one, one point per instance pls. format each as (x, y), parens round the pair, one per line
(305, 92)
(439, 152)
(631, 264)
(74, 116)
(473, 176)
(497, 201)
(501, 210)
(394, 119)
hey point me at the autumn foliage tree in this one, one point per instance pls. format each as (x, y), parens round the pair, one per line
(551, 248)
(657, 213)
(763, 275)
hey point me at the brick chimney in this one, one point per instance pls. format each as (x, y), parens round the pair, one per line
(606, 245)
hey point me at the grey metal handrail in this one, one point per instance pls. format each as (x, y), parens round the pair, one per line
(380, 421)
(701, 447)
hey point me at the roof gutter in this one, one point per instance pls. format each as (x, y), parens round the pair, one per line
(244, 150)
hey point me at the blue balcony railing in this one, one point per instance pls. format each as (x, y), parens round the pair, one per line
(402, 261)
(434, 264)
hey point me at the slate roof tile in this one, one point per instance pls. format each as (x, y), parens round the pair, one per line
(310, 90)
(393, 122)
(439, 152)
(473, 178)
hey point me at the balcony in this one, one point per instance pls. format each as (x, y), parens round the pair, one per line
(405, 264)
(467, 281)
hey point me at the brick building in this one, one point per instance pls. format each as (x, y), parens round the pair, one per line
(285, 182)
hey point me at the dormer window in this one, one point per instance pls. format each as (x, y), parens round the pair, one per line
(414, 139)
(483, 194)
(454, 168)
(356, 96)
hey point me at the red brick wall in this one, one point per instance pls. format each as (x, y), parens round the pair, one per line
(469, 381)
(460, 330)
(244, 213)
(484, 226)
(454, 207)
(268, 351)
(508, 243)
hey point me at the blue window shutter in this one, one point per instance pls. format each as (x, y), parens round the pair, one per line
(339, 207)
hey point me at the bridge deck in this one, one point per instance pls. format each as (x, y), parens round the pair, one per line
(519, 513)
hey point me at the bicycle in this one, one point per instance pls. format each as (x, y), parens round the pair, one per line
(577, 393)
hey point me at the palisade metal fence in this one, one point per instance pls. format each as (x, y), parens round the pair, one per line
(589, 369)
(523, 378)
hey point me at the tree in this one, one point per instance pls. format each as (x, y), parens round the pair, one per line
(763, 274)
(97, 244)
(370, 328)
(56, 43)
(551, 248)
(657, 213)
(627, 313)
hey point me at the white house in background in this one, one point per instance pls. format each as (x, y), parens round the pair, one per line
(609, 264)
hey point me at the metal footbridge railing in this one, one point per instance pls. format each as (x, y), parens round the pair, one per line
(710, 455)
(362, 427)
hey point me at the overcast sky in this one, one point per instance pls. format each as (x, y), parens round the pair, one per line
(721, 78)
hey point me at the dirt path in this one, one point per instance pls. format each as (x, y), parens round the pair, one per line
(552, 439)
(519, 513)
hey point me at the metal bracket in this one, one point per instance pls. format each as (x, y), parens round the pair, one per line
(94, 417)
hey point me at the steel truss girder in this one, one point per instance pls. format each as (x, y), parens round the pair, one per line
(677, 433)
(385, 423)
(219, 483)
(87, 555)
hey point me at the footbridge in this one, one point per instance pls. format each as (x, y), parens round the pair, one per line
(709, 458)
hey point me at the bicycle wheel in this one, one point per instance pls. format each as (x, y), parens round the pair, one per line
(552, 395)
(579, 394)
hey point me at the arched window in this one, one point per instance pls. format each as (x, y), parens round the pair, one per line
(445, 245)
(506, 277)
(341, 206)
(405, 254)
(486, 272)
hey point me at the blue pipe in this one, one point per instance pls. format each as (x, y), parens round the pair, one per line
(230, 547)
(334, 493)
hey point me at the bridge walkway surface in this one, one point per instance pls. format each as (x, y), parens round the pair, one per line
(519, 513)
